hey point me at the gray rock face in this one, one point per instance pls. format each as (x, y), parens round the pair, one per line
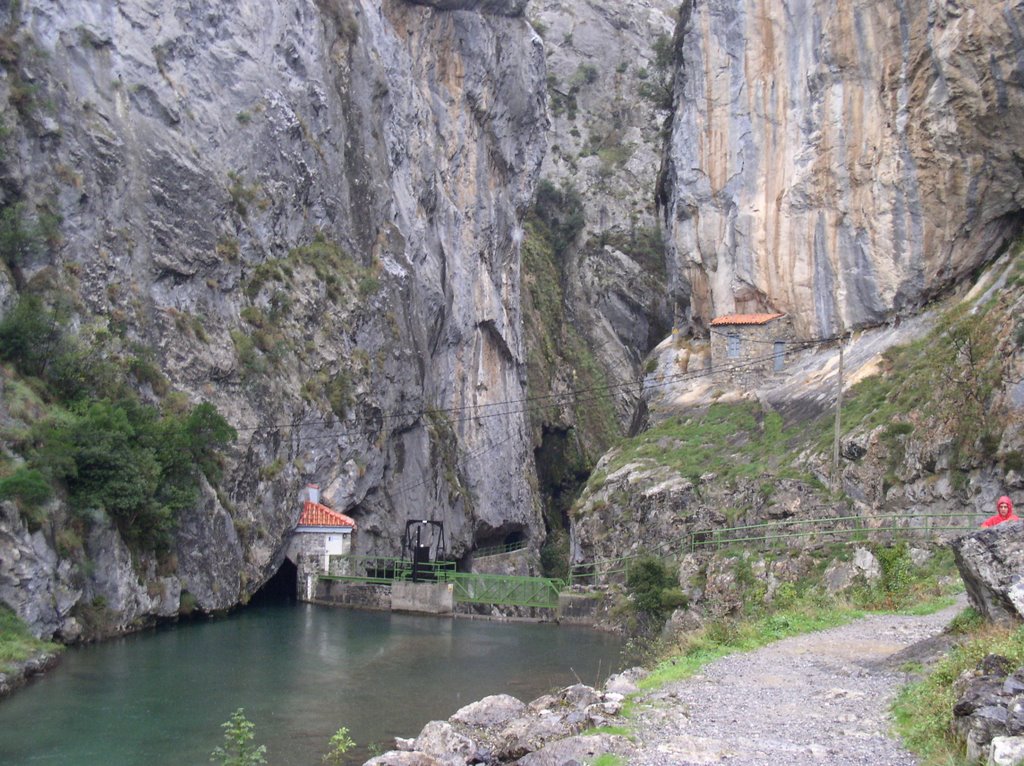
(306, 211)
(34, 582)
(991, 564)
(987, 709)
(605, 142)
(503, 7)
(840, 162)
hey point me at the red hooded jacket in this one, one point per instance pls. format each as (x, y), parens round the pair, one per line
(999, 518)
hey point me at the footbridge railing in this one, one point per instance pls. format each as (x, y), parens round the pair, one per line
(503, 590)
(843, 529)
(507, 590)
(813, 532)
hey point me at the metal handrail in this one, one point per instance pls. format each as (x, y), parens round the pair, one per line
(771, 532)
(497, 550)
(892, 523)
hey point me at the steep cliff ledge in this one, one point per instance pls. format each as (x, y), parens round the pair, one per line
(842, 162)
(305, 213)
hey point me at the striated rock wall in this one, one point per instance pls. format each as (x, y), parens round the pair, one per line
(842, 162)
(306, 212)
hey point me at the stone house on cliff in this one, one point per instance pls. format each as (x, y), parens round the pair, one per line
(750, 347)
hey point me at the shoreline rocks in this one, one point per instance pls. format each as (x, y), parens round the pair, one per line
(498, 729)
(25, 671)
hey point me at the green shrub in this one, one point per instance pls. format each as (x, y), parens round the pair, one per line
(238, 748)
(652, 587)
(30, 335)
(340, 744)
(21, 239)
(560, 212)
(26, 485)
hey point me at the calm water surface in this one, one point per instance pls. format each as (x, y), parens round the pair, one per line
(300, 671)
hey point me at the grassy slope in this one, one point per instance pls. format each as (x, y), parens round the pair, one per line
(16, 643)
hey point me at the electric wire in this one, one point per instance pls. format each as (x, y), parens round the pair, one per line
(480, 412)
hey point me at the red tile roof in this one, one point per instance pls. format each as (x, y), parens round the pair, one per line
(744, 319)
(316, 515)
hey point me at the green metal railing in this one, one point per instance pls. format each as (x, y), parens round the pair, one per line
(507, 590)
(497, 550)
(772, 534)
(513, 590)
(843, 529)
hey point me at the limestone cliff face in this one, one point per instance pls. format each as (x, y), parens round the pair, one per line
(606, 141)
(307, 210)
(843, 161)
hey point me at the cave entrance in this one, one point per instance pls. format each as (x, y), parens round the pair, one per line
(282, 588)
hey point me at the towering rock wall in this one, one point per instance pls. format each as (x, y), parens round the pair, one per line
(306, 209)
(842, 161)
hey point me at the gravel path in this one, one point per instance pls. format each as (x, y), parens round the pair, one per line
(821, 698)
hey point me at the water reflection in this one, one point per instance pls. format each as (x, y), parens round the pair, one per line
(299, 671)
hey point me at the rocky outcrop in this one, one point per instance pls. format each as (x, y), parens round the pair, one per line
(991, 564)
(988, 716)
(34, 581)
(502, 729)
(841, 162)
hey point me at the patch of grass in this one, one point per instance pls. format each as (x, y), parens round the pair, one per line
(608, 759)
(732, 440)
(16, 643)
(924, 710)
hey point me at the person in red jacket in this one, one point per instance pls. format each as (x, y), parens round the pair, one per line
(1004, 512)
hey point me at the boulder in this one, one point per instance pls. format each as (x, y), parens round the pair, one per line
(989, 707)
(440, 740)
(1006, 751)
(579, 750)
(495, 710)
(403, 758)
(991, 563)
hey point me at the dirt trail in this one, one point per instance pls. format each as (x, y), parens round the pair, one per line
(821, 698)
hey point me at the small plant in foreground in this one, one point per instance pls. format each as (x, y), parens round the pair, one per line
(340, 744)
(238, 749)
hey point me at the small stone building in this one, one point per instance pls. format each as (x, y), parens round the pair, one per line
(320, 534)
(750, 347)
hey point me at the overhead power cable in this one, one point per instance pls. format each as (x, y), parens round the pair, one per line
(488, 410)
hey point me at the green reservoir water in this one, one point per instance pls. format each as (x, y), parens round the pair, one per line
(300, 671)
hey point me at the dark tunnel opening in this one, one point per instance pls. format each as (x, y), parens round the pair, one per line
(281, 588)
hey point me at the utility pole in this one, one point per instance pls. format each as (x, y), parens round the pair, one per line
(839, 406)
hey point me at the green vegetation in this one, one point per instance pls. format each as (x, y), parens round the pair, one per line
(797, 608)
(16, 643)
(644, 244)
(608, 759)
(924, 710)
(339, 273)
(90, 439)
(653, 588)
(731, 440)
(656, 87)
(124, 459)
(944, 384)
(238, 748)
(340, 744)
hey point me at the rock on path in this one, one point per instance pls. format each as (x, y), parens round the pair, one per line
(821, 698)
